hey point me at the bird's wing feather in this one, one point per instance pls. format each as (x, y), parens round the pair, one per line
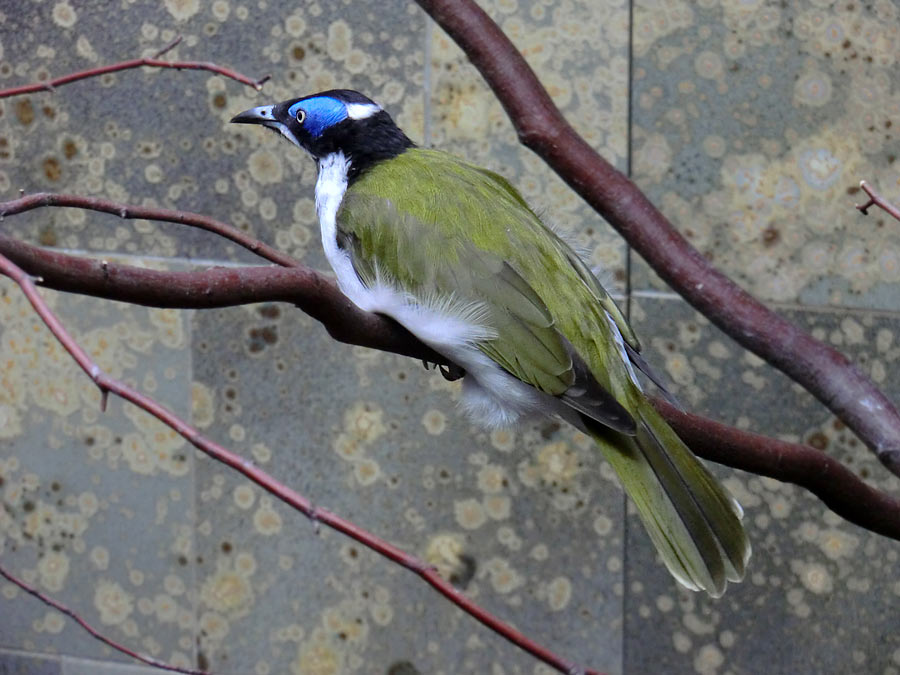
(555, 328)
(605, 300)
(691, 519)
(391, 235)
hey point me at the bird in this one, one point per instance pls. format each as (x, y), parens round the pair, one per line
(454, 253)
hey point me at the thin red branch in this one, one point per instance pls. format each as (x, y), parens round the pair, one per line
(45, 199)
(286, 494)
(47, 600)
(840, 489)
(823, 371)
(876, 199)
(151, 62)
(169, 47)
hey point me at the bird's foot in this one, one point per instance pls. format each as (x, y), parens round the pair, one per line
(450, 373)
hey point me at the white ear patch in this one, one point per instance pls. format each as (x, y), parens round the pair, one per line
(360, 111)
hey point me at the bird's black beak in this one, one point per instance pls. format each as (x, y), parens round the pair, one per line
(261, 114)
(264, 115)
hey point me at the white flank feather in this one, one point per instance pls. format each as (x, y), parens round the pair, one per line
(620, 343)
(491, 396)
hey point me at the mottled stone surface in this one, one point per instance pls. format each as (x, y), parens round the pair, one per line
(749, 124)
(826, 584)
(97, 508)
(501, 514)
(754, 123)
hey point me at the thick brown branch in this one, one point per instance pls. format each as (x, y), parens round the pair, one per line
(823, 371)
(314, 293)
(840, 489)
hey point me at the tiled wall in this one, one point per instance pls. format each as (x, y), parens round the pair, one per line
(749, 123)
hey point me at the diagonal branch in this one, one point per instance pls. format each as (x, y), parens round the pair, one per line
(97, 635)
(316, 295)
(823, 371)
(838, 487)
(152, 62)
(281, 491)
(875, 199)
(230, 232)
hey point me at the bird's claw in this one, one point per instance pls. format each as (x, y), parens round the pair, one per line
(450, 373)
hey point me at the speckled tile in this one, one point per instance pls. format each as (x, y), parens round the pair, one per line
(754, 123)
(161, 137)
(96, 508)
(580, 52)
(820, 595)
(26, 664)
(376, 439)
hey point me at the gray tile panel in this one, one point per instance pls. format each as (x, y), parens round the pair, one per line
(753, 125)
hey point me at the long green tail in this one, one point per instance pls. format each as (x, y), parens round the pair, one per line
(694, 523)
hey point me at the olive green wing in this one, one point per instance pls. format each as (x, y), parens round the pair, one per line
(604, 299)
(433, 266)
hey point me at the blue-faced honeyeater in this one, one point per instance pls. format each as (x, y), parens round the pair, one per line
(454, 253)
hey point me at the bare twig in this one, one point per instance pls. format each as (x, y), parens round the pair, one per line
(47, 600)
(876, 199)
(169, 47)
(840, 489)
(823, 371)
(281, 491)
(44, 199)
(152, 62)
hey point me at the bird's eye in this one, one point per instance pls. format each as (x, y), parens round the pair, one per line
(301, 115)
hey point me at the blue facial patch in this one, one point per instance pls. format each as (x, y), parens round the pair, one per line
(322, 112)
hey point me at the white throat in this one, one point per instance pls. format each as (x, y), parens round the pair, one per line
(330, 188)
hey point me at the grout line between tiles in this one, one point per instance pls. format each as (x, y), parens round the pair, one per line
(194, 508)
(12, 651)
(426, 82)
(630, 294)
